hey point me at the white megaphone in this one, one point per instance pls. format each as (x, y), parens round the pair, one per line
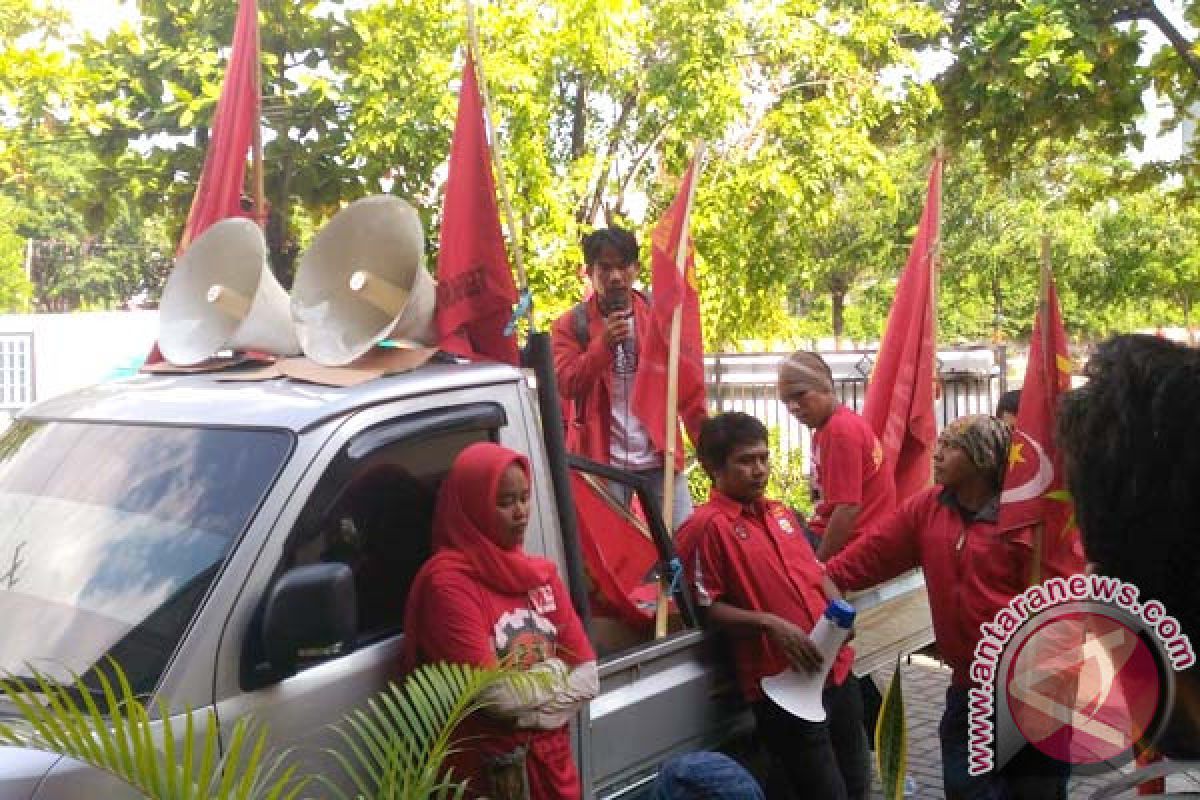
(363, 280)
(221, 295)
(799, 693)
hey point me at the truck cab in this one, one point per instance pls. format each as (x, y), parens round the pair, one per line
(177, 524)
(247, 547)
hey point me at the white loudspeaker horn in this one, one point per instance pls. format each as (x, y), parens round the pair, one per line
(222, 296)
(799, 693)
(363, 280)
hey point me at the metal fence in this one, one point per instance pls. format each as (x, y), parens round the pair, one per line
(971, 381)
(16, 371)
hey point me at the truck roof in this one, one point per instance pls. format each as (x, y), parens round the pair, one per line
(212, 399)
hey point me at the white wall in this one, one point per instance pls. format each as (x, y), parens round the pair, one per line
(71, 351)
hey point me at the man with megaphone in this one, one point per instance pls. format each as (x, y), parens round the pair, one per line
(597, 350)
(758, 580)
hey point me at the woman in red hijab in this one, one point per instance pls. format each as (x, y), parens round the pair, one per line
(482, 600)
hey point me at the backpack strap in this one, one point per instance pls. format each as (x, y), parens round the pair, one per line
(579, 319)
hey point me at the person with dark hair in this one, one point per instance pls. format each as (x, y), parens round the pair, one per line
(854, 489)
(596, 358)
(972, 570)
(757, 579)
(1007, 405)
(1130, 438)
(705, 776)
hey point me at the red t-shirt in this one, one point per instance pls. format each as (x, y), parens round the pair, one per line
(848, 468)
(756, 558)
(465, 622)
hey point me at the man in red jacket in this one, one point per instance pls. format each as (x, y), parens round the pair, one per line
(972, 569)
(596, 352)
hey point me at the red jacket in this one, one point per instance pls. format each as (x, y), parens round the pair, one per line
(972, 569)
(585, 383)
(460, 621)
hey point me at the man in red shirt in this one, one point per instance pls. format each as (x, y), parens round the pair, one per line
(596, 353)
(972, 570)
(855, 492)
(758, 580)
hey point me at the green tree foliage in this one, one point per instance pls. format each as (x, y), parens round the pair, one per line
(1031, 70)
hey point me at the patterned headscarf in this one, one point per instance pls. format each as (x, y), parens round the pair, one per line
(984, 439)
(803, 371)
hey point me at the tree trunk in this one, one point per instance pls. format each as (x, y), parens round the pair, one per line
(579, 119)
(997, 308)
(839, 317)
(1187, 319)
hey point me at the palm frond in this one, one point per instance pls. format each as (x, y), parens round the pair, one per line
(119, 737)
(396, 749)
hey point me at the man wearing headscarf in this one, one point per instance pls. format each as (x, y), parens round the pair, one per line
(972, 570)
(481, 600)
(853, 488)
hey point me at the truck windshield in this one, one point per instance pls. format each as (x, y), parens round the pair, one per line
(110, 536)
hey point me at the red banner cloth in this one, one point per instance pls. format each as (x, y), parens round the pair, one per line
(672, 288)
(900, 396)
(219, 192)
(475, 293)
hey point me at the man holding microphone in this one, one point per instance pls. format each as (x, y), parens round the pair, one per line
(597, 347)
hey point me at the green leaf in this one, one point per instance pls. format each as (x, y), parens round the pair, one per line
(891, 740)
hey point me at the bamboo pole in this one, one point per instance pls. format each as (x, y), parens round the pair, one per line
(935, 265)
(260, 194)
(1043, 321)
(672, 415)
(496, 149)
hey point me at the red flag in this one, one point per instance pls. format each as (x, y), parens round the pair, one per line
(618, 554)
(1034, 489)
(476, 293)
(899, 402)
(219, 192)
(672, 287)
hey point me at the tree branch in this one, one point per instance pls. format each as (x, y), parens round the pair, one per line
(1150, 12)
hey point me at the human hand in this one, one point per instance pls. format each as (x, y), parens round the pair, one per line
(795, 644)
(618, 327)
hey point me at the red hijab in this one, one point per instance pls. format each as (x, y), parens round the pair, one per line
(465, 521)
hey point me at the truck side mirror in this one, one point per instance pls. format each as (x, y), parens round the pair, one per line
(311, 613)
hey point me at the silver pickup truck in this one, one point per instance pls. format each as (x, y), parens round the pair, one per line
(176, 524)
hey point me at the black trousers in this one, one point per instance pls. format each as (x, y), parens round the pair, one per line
(817, 760)
(1030, 775)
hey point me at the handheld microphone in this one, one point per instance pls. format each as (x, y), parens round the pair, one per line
(617, 302)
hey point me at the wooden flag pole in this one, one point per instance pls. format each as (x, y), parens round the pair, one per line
(672, 415)
(260, 193)
(497, 152)
(1043, 318)
(935, 266)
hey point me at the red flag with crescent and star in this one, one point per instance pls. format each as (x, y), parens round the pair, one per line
(1034, 487)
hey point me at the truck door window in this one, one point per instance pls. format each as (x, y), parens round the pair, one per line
(373, 511)
(622, 558)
